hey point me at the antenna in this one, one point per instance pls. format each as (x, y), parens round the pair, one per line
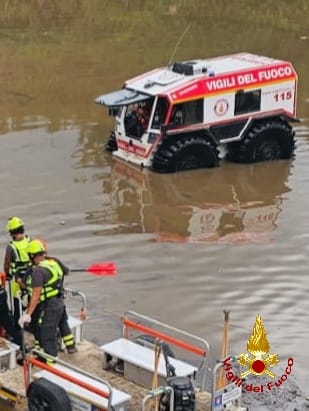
(178, 42)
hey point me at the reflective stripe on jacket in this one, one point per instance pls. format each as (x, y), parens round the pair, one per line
(54, 285)
(21, 260)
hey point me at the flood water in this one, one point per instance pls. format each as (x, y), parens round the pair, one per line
(187, 246)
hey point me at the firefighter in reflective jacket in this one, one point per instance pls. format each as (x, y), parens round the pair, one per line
(6, 320)
(16, 261)
(47, 300)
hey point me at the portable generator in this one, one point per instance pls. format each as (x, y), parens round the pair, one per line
(184, 395)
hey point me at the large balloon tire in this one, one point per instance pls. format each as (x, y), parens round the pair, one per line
(266, 140)
(185, 153)
(44, 395)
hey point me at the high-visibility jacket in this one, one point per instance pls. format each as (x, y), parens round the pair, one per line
(54, 285)
(21, 260)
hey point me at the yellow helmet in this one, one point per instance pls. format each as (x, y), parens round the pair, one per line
(36, 247)
(14, 223)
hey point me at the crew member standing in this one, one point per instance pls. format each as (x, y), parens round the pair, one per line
(64, 328)
(16, 261)
(6, 320)
(46, 301)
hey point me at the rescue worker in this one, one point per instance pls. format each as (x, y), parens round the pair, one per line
(6, 320)
(143, 119)
(64, 329)
(16, 261)
(47, 301)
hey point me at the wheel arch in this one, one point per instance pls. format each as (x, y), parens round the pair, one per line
(202, 133)
(284, 117)
(259, 132)
(170, 151)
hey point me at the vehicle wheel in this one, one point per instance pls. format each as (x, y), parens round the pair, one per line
(150, 342)
(111, 144)
(265, 141)
(268, 150)
(44, 395)
(185, 153)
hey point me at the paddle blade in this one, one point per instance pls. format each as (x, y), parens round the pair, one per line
(102, 269)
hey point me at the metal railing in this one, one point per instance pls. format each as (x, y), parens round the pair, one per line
(158, 392)
(31, 361)
(198, 346)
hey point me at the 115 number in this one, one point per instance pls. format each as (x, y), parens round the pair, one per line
(286, 95)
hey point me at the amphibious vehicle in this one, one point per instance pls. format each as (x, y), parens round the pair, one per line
(179, 117)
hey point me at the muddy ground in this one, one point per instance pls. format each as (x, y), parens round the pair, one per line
(289, 397)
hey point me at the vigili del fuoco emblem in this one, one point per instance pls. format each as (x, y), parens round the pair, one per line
(258, 347)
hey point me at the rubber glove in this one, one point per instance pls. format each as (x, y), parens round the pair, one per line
(24, 319)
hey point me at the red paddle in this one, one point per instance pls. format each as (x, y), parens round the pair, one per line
(107, 268)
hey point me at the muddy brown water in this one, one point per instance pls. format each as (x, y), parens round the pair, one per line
(186, 246)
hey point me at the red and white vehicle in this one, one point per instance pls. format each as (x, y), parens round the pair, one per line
(177, 117)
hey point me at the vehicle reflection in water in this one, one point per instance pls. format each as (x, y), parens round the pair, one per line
(232, 204)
